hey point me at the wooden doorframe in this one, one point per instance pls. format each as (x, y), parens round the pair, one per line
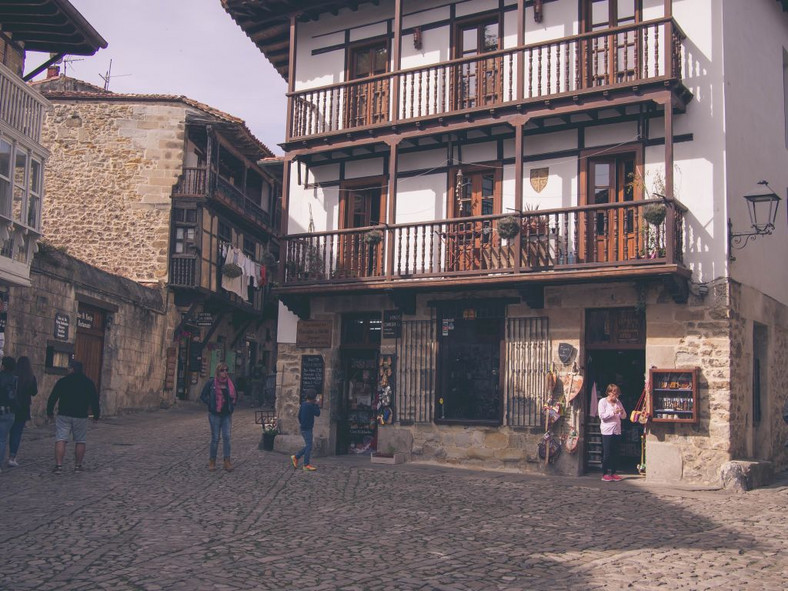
(490, 17)
(93, 365)
(353, 49)
(584, 19)
(352, 250)
(586, 157)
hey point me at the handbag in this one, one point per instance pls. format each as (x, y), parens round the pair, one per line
(639, 414)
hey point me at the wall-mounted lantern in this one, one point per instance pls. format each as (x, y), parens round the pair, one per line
(763, 214)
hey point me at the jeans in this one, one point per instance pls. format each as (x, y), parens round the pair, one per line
(220, 424)
(306, 451)
(16, 437)
(610, 453)
(6, 420)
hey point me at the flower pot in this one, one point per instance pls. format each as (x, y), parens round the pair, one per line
(395, 458)
(267, 443)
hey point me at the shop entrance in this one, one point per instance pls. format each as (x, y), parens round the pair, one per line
(357, 418)
(615, 354)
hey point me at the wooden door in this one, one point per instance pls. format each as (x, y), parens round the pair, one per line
(367, 102)
(611, 234)
(89, 347)
(361, 207)
(475, 194)
(477, 82)
(612, 58)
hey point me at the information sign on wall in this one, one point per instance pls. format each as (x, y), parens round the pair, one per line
(61, 326)
(392, 324)
(312, 376)
(314, 334)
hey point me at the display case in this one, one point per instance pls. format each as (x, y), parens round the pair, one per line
(674, 395)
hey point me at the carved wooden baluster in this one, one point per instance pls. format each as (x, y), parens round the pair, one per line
(567, 60)
(539, 61)
(549, 69)
(656, 50)
(412, 94)
(530, 73)
(644, 55)
(607, 60)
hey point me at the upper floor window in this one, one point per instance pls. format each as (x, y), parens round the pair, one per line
(613, 59)
(225, 232)
(185, 220)
(250, 248)
(21, 183)
(477, 81)
(367, 102)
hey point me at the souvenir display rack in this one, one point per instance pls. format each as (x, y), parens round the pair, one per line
(674, 395)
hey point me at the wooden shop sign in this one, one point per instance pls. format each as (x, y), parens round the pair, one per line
(314, 334)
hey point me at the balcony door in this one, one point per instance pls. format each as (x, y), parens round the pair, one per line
(613, 58)
(477, 82)
(367, 100)
(476, 193)
(611, 234)
(361, 205)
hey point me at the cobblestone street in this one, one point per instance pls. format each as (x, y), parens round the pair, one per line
(146, 514)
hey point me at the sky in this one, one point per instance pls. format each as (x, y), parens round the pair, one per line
(182, 47)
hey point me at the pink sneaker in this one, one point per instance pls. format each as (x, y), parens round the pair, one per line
(615, 477)
(607, 478)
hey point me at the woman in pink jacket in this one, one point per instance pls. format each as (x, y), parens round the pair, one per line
(610, 412)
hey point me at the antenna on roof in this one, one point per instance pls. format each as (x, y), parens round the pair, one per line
(67, 61)
(108, 76)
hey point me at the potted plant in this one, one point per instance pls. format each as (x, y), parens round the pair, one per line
(373, 237)
(270, 431)
(534, 224)
(231, 270)
(654, 213)
(508, 227)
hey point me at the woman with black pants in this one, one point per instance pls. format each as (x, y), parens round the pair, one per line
(610, 412)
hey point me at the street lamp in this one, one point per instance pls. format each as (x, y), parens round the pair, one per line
(762, 208)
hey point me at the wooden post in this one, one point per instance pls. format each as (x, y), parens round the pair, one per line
(291, 78)
(392, 205)
(397, 60)
(670, 220)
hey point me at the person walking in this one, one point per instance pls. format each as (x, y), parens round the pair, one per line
(306, 420)
(7, 401)
(74, 394)
(610, 412)
(221, 397)
(26, 388)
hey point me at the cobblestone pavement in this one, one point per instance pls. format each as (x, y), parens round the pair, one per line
(146, 514)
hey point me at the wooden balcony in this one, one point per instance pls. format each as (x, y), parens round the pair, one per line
(585, 243)
(21, 107)
(623, 59)
(193, 182)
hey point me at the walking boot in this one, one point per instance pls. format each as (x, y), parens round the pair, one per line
(212, 464)
(228, 465)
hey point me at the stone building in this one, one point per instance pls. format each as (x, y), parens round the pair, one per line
(73, 309)
(481, 195)
(167, 191)
(57, 28)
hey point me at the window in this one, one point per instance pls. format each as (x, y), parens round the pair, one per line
(611, 58)
(34, 200)
(20, 184)
(5, 178)
(368, 102)
(225, 232)
(250, 248)
(478, 82)
(185, 229)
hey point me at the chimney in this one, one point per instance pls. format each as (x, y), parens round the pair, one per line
(53, 72)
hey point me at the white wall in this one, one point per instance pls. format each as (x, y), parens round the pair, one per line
(755, 37)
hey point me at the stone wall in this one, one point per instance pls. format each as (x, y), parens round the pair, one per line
(127, 157)
(712, 332)
(134, 342)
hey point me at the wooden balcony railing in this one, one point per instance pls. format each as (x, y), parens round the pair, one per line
(193, 182)
(21, 107)
(183, 271)
(618, 57)
(585, 237)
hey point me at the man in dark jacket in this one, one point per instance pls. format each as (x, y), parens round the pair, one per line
(73, 393)
(7, 401)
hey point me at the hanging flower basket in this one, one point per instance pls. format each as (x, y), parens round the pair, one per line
(654, 213)
(373, 237)
(231, 270)
(269, 260)
(508, 227)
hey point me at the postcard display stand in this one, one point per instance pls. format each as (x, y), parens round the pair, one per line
(674, 395)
